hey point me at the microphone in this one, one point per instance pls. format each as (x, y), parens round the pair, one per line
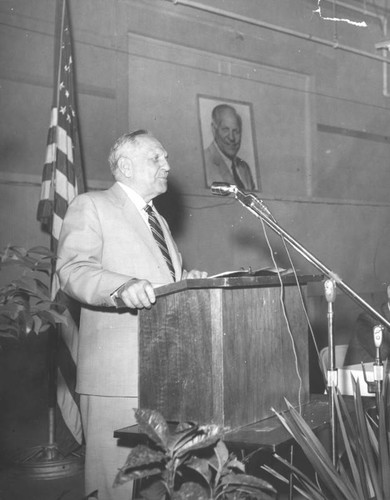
(223, 188)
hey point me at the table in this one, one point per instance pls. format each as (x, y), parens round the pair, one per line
(268, 434)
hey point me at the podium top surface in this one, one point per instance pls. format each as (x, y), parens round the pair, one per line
(235, 282)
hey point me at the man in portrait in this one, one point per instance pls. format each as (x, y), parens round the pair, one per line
(222, 164)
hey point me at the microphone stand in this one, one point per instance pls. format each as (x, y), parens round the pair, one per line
(332, 374)
(258, 208)
(375, 386)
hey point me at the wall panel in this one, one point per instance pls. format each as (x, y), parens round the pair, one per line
(283, 120)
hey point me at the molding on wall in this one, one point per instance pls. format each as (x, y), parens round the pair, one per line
(359, 134)
(18, 179)
(39, 81)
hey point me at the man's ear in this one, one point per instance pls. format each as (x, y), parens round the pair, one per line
(125, 165)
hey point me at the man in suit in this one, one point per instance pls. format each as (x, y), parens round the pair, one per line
(221, 161)
(108, 257)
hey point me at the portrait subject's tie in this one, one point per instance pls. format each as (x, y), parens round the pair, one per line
(237, 181)
(159, 237)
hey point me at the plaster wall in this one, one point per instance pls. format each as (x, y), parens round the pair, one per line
(321, 124)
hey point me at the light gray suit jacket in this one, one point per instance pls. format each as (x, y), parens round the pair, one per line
(103, 243)
(218, 171)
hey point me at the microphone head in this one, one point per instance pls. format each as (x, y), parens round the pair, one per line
(223, 188)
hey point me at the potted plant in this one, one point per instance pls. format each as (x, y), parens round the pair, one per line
(362, 471)
(191, 461)
(26, 305)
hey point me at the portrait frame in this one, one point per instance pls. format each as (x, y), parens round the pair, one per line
(248, 149)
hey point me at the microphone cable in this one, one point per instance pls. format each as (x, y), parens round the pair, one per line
(281, 298)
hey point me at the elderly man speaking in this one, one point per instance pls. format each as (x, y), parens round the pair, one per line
(114, 249)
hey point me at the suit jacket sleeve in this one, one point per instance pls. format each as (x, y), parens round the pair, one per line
(104, 242)
(79, 264)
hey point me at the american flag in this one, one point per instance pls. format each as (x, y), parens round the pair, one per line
(62, 180)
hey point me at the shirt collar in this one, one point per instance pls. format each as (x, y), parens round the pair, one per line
(138, 201)
(227, 160)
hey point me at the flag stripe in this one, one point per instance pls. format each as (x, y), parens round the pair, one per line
(53, 116)
(69, 409)
(64, 186)
(66, 357)
(65, 143)
(51, 150)
(56, 228)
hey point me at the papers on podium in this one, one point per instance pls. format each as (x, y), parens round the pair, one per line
(264, 271)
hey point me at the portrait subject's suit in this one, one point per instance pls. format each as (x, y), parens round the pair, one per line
(104, 242)
(218, 171)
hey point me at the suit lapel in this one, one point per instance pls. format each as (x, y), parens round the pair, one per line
(137, 224)
(223, 169)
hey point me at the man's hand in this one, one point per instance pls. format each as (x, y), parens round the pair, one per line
(137, 294)
(193, 274)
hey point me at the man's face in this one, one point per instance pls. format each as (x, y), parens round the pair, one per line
(149, 172)
(227, 133)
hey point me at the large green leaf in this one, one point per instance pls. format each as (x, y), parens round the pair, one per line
(206, 435)
(153, 424)
(190, 491)
(141, 462)
(11, 309)
(142, 455)
(201, 466)
(219, 458)
(41, 252)
(249, 481)
(180, 435)
(55, 317)
(125, 475)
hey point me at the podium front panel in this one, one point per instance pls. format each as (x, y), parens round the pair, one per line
(224, 355)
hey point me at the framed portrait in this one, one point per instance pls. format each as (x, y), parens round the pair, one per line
(228, 142)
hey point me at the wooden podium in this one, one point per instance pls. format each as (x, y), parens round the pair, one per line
(218, 350)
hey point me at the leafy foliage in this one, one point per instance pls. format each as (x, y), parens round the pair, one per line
(362, 468)
(25, 302)
(191, 461)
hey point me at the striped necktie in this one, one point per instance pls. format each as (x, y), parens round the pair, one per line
(158, 235)
(238, 182)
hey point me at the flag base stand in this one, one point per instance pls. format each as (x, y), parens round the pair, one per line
(47, 462)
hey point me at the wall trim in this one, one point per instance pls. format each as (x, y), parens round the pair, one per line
(359, 134)
(18, 179)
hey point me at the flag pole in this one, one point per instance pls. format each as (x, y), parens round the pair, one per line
(53, 337)
(47, 461)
